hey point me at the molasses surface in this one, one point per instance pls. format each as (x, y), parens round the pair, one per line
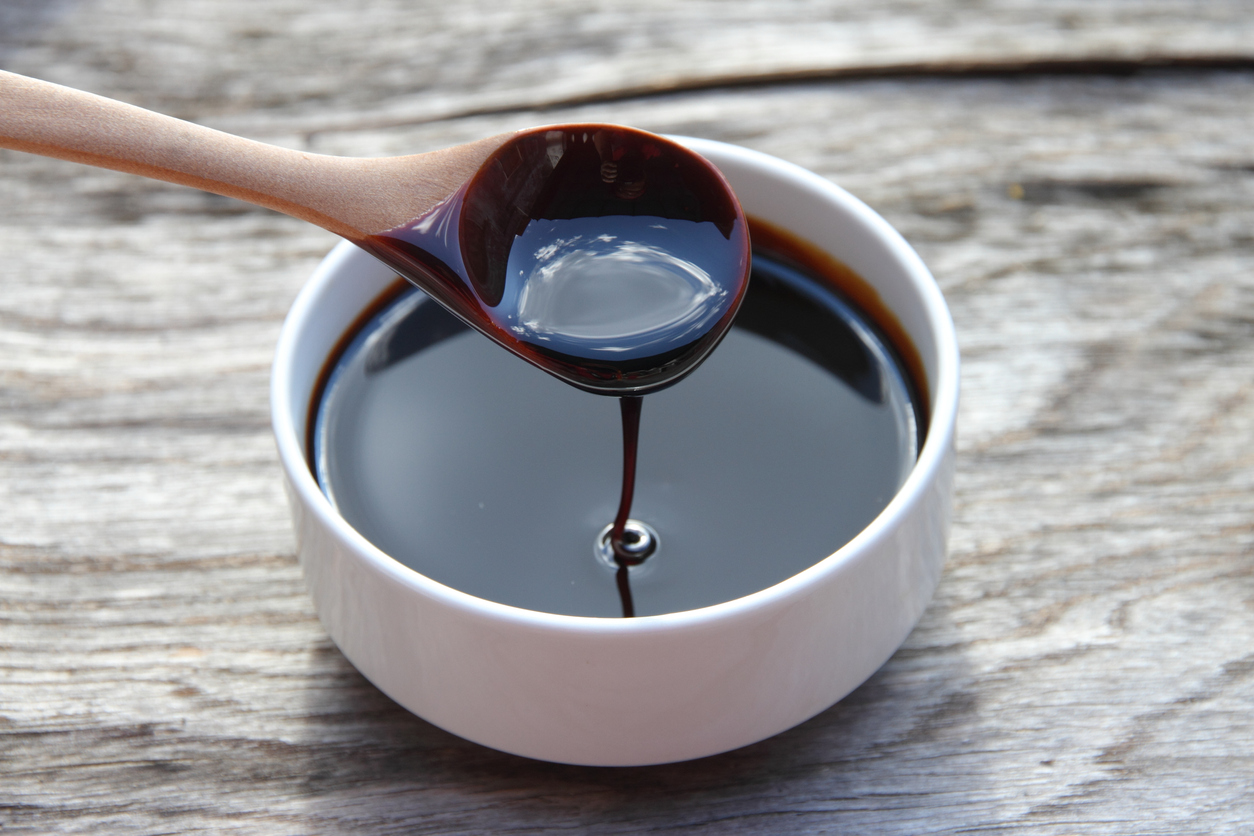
(483, 473)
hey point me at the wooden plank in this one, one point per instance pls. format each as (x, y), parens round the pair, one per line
(1086, 664)
(309, 66)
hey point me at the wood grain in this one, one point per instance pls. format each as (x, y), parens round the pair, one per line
(396, 60)
(1086, 666)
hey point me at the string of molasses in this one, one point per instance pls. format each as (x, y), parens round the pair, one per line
(630, 409)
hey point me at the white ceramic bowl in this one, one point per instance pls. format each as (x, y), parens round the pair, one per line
(654, 689)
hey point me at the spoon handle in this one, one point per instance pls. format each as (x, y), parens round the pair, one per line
(350, 197)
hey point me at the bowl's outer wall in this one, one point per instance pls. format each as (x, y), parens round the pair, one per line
(650, 690)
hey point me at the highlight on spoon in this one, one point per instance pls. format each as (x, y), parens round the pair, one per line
(611, 258)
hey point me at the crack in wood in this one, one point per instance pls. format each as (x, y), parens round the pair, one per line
(1097, 66)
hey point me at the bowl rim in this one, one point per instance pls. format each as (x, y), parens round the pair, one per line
(942, 418)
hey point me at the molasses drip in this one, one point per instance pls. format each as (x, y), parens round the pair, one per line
(624, 555)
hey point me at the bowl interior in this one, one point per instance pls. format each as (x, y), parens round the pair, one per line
(786, 196)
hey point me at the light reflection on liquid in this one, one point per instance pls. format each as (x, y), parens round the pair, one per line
(576, 289)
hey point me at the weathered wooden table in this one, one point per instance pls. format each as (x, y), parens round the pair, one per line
(1078, 174)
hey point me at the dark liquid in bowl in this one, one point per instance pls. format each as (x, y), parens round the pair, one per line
(483, 473)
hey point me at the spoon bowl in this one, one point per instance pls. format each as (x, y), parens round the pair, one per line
(611, 258)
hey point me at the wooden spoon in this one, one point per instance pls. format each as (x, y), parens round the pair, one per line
(351, 197)
(658, 266)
